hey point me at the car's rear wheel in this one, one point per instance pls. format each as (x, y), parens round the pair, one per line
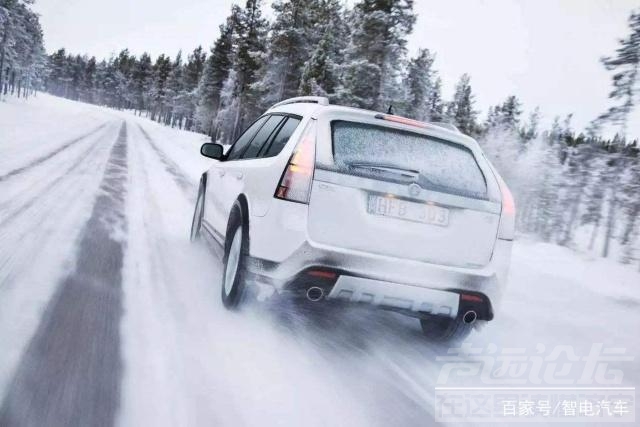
(445, 329)
(196, 223)
(233, 279)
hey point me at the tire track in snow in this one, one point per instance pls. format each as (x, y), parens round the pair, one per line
(185, 184)
(7, 218)
(71, 370)
(55, 152)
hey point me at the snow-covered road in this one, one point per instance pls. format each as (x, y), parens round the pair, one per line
(108, 315)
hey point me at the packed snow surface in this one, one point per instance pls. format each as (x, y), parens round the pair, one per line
(109, 315)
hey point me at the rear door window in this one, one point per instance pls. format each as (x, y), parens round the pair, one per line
(263, 135)
(401, 156)
(282, 137)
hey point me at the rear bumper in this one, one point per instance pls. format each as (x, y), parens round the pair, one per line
(409, 298)
(386, 281)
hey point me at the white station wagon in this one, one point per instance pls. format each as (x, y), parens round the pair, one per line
(335, 203)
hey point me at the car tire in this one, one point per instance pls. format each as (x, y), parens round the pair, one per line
(234, 260)
(445, 329)
(198, 213)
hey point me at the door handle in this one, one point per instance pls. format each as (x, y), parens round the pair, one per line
(239, 176)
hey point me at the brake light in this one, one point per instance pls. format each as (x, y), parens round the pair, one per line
(508, 216)
(323, 274)
(295, 184)
(508, 204)
(470, 298)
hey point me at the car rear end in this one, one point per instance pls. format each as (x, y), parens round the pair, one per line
(393, 212)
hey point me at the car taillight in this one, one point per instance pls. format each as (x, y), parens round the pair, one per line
(508, 216)
(295, 184)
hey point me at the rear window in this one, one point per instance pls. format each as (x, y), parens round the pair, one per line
(401, 156)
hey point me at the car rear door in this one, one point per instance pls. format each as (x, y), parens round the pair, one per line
(394, 192)
(256, 171)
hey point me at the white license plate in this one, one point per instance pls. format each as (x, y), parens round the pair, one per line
(410, 211)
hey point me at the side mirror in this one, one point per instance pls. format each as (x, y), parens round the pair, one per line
(214, 151)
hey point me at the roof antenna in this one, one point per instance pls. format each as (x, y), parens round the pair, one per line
(390, 110)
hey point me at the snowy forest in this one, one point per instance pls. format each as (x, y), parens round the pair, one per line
(574, 188)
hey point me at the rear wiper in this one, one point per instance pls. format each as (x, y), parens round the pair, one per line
(409, 173)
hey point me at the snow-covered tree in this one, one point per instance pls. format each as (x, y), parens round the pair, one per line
(626, 67)
(376, 53)
(159, 99)
(22, 55)
(419, 85)
(176, 92)
(461, 110)
(287, 53)
(319, 75)
(142, 77)
(327, 31)
(530, 130)
(215, 72)
(193, 70)
(435, 104)
(510, 112)
(249, 40)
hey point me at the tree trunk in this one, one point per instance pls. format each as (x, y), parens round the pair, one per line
(610, 224)
(573, 216)
(236, 122)
(2, 55)
(594, 234)
(631, 223)
(13, 81)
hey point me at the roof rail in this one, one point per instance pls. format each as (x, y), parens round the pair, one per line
(320, 100)
(449, 126)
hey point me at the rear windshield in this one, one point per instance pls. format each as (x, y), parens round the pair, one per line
(395, 155)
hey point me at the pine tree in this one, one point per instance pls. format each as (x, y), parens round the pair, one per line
(510, 112)
(435, 104)
(328, 32)
(249, 40)
(319, 75)
(288, 52)
(504, 117)
(577, 177)
(124, 64)
(626, 68)
(175, 93)
(112, 82)
(216, 71)
(419, 85)
(630, 200)
(142, 78)
(461, 109)
(57, 73)
(192, 73)
(616, 164)
(492, 118)
(159, 98)
(530, 130)
(22, 56)
(375, 54)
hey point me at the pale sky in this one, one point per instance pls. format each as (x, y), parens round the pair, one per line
(544, 51)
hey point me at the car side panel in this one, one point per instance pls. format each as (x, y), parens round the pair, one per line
(212, 211)
(256, 178)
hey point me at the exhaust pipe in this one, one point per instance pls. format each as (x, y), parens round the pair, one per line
(315, 293)
(469, 317)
